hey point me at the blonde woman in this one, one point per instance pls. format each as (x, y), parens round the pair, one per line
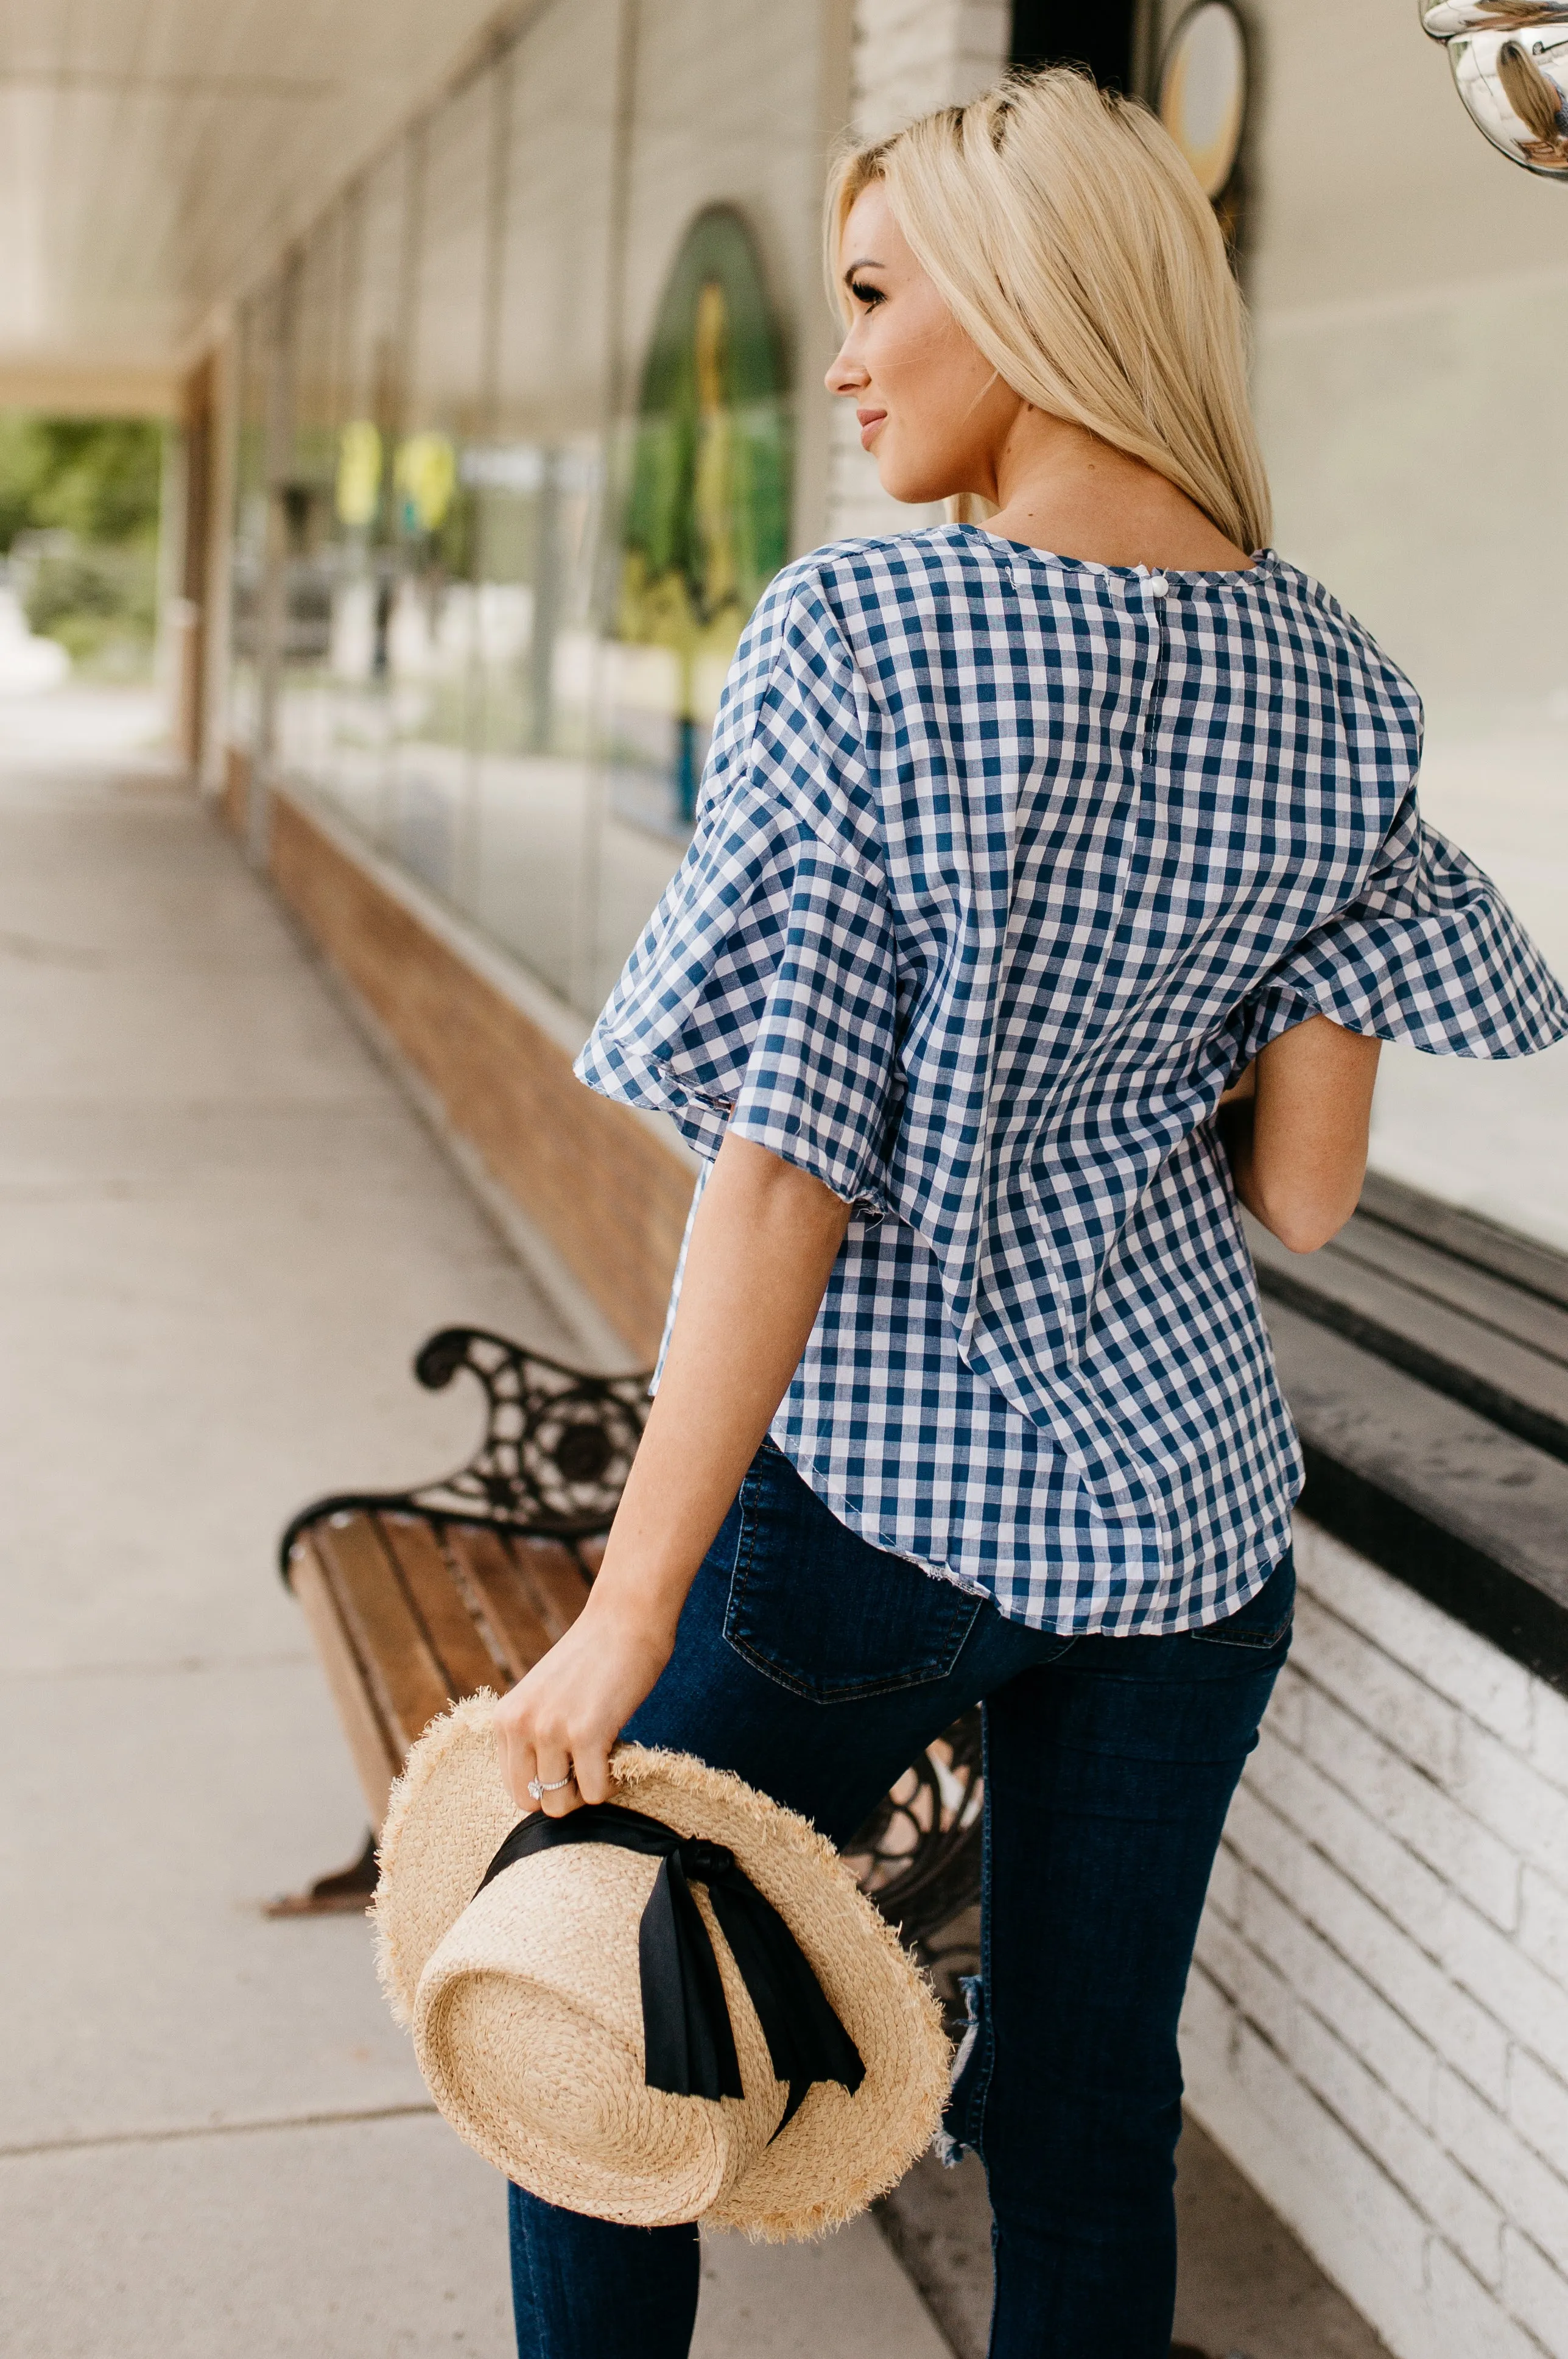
(1019, 847)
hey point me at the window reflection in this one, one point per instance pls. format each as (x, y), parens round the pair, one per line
(305, 482)
(507, 619)
(349, 761)
(537, 517)
(707, 518)
(249, 523)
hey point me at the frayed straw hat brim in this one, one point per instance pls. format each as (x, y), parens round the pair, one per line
(524, 2006)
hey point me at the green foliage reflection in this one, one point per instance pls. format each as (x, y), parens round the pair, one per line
(78, 519)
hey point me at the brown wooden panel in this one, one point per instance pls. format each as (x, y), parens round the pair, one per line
(455, 1636)
(234, 800)
(376, 1755)
(511, 1606)
(407, 1682)
(557, 1579)
(610, 1197)
(591, 1553)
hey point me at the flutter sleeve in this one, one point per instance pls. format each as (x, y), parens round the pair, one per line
(1429, 954)
(761, 999)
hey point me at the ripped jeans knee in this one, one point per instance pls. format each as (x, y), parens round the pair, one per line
(963, 2120)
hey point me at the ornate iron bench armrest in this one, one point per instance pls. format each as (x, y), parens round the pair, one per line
(552, 1462)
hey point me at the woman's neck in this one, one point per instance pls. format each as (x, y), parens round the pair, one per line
(1059, 487)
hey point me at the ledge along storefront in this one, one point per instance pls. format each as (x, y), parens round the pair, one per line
(498, 456)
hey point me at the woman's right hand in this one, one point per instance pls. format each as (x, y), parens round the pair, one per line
(562, 1719)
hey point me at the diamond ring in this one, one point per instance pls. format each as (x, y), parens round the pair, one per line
(539, 1790)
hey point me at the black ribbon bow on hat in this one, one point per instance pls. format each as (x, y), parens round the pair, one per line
(687, 2037)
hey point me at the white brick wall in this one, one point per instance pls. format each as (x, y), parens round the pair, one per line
(909, 56)
(1378, 2023)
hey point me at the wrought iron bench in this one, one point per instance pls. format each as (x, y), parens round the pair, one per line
(416, 1598)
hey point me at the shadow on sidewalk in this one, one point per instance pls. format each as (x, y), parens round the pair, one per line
(1246, 2288)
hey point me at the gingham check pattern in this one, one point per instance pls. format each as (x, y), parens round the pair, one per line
(1005, 866)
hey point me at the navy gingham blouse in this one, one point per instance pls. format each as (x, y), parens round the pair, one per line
(1006, 866)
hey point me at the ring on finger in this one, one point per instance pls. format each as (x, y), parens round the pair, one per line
(538, 1786)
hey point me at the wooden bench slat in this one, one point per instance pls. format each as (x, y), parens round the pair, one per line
(557, 1577)
(374, 1750)
(458, 1642)
(408, 1683)
(511, 1606)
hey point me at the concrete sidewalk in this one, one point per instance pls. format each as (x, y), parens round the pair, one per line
(225, 1235)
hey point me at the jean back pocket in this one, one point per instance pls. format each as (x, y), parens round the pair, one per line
(1265, 1620)
(824, 1613)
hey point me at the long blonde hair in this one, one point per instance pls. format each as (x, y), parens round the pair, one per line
(1069, 239)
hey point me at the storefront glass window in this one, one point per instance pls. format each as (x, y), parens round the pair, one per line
(256, 336)
(536, 481)
(431, 656)
(541, 465)
(706, 521)
(721, 266)
(351, 762)
(306, 493)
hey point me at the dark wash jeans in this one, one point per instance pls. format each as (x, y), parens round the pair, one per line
(817, 1667)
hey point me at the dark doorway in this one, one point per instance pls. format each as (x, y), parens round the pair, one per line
(1093, 33)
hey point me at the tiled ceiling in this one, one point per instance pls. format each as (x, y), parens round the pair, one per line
(155, 153)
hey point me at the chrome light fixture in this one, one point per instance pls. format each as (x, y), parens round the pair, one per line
(1510, 67)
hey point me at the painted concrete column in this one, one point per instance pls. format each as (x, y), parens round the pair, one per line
(908, 57)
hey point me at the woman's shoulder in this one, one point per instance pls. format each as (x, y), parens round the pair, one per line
(872, 587)
(900, 609)
(836, 603)
(875, 562)
(1344, 644)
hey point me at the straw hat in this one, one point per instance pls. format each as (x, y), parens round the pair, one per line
(529, 2000)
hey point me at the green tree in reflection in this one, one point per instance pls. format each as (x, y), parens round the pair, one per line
(79, 515)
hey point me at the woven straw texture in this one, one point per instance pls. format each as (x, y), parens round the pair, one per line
(527, 2012)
